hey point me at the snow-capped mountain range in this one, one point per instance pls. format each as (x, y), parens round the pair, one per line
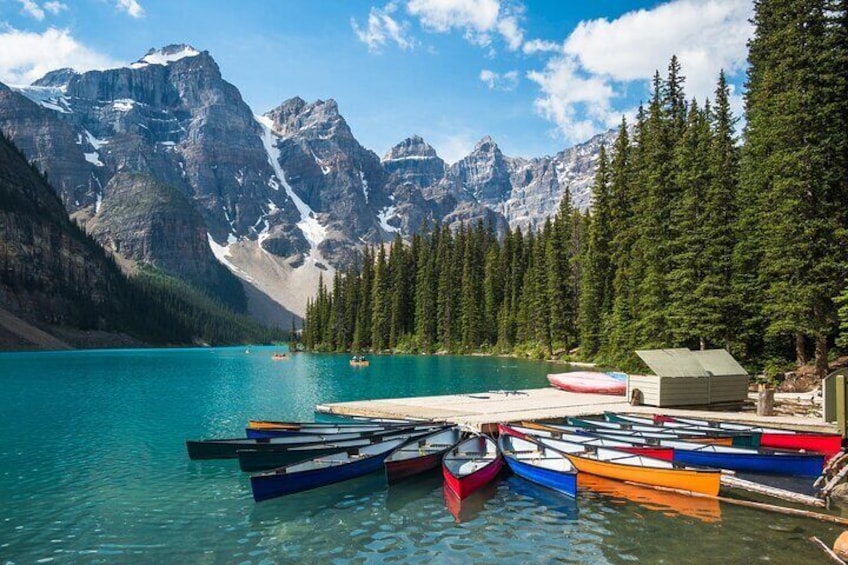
(164, 163)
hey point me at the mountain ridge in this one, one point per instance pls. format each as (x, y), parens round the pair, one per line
(288, 190)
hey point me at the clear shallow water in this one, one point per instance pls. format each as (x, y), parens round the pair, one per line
(93, 470)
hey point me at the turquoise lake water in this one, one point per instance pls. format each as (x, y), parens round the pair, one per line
(93, 469)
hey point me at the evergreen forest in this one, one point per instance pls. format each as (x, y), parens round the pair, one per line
(700, 235)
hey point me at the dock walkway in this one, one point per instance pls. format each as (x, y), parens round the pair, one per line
(484, 410)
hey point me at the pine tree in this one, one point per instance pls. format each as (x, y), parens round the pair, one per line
(687, 245)
(381, 302)
(715, 292)
(596, 280)
(795, 110)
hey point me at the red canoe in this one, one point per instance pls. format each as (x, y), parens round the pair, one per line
(777, 438)
(471, 464)
(588, 382)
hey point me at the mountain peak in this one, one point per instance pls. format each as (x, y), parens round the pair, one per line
(321, 117)
(486, 145)
(411, 147)
(58, 78)
(166, 55)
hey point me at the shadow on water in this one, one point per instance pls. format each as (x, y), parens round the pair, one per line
(547, 500)
(313, 502)
(413, 489)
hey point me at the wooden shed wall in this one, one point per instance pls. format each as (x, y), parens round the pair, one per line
(728, 388)
(685, 391)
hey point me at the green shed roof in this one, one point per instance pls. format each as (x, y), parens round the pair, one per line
(682, 362)
(719, 362)
(672, 362)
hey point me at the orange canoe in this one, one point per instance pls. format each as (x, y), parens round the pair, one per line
(622, 466)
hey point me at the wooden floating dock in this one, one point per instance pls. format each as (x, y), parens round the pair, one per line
(484, 410)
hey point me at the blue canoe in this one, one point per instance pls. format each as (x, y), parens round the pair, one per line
(322, 471)
(537, 463)
(734, 458)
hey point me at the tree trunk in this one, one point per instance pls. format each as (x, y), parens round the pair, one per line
(703, 344)
(821, 355)
(800, 350)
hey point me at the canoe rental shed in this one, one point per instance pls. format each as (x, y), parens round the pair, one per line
(689, 378)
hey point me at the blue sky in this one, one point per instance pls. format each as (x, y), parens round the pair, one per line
(538, 76)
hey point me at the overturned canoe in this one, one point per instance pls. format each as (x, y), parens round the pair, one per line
(471, 464)
(588, 382)
(533, 461)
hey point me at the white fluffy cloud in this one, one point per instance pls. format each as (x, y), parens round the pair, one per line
(55, 7)
(383, 29)
(26, 56)
(601, 58)
(31, 8)
(131, 7)
(499, 81)
(540, 46)
(478, 20)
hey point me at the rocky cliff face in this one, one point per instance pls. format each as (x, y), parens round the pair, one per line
(278, 194)
(50, 272)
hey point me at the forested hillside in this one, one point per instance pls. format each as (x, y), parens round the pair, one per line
(54, 275)
(696, 237)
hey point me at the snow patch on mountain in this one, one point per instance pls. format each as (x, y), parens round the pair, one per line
(364, 185)
(165, 55)
(222, 254)
(312, 229)
(384, 216)
(50, 97)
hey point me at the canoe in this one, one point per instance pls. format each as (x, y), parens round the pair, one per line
(829, 444)
(740, 438)
(227, 448)
(623, 466)
(420, 456)
(734, 458)
(321, 471)
(298, 426)
(471, 464)
(323, 429)
(532, 460)
(666, 453)
(717, 437)
(253, 460)
(588, 382)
